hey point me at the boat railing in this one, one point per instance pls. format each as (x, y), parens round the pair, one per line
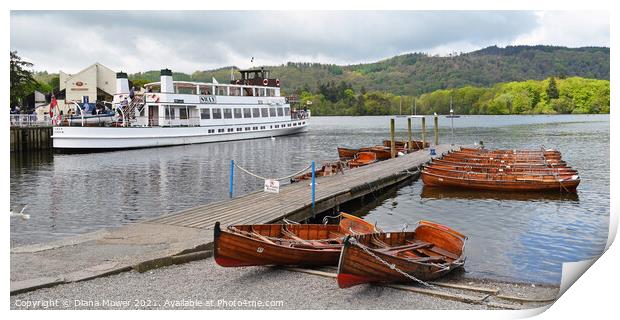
(30, 120)
(189, 122)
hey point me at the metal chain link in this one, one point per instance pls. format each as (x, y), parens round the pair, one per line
(390, 265)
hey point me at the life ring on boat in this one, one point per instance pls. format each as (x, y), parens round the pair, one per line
(277, 82)
(265, 82)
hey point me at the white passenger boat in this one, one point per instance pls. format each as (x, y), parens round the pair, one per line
(179, 112)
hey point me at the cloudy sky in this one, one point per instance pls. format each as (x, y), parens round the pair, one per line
(187, 41)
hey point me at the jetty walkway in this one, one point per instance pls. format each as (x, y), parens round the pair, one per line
(188, 235)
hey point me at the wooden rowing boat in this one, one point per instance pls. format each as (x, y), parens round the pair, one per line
(284, 244)
(515, 151)
(383, 153)
(507, 182)
(415, 144)
(503, 161)
(499, 164)
(503, 169)
(347, 153)
(427, 253)
(327, 169)
(522, 156)
(362, 159)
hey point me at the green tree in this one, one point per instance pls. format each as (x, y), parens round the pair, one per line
(22, 82)
(552, 89)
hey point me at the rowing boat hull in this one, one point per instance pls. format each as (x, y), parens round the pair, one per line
(436, 180)
(237, 250)
(346, 153)
(357, 266)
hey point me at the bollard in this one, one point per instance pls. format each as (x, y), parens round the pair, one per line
(436, 130)
(423, 132)
(232, 174)
(313, 186)
(409, 142)
(393, 143)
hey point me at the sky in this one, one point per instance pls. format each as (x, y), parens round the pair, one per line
(187, 41)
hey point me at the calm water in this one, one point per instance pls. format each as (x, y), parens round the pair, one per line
(511, 236)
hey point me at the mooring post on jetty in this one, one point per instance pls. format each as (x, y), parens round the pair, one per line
(232, 174)
(409, 142)
(313, 186)
(436, 130)
(423, 132)
(392, 142)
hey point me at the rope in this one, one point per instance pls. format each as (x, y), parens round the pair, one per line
(281, 178)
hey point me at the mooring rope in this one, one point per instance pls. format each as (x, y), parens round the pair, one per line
(281, 178)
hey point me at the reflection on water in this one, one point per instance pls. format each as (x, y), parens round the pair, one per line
(455, 193)
(516, 237)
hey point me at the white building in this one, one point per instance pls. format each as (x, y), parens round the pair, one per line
(97, 81)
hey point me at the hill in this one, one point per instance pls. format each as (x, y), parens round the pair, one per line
(417, 73)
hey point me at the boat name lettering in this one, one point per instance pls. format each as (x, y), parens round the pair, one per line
(179, 100)
(207, 99)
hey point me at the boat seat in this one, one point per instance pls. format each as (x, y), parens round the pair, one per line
(413, 246)
(261, 237)
(428, 259)
(440, 251)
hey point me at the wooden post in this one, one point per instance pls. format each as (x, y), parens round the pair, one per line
(410, 142)
(393, 143)
(423, 132)
(436, 130)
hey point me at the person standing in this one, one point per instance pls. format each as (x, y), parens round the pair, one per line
(132, 92)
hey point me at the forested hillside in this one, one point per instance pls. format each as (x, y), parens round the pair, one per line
(417, 73)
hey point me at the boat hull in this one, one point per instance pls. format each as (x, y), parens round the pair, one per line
(92, 138)
(356, 266)
(436, 180)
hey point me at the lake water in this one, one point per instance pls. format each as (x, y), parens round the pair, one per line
(511, 236)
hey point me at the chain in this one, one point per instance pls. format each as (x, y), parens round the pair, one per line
(391, 265)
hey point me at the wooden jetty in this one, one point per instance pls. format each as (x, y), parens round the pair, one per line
(31, 138)
(188, 235)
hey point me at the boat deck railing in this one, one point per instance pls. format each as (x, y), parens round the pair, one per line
(30, 120)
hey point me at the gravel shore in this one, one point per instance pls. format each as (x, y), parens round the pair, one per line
(204, 285)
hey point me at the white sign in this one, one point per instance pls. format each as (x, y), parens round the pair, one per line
(272, 186)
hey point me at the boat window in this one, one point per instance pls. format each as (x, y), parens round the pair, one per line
(272, 112)
(183, 113)
(287, 111)
(264, 113)
(256, 112)
(237, 113)
(239, 129)
(227, 113)
(205, 113)
(271, 92)
(247, 128)
(221, 91)
(235, 91)
(169, 112)
(220, 130)
(217, 113)
(230, 129)
(280, 112)
(248, 92)
(247, 113)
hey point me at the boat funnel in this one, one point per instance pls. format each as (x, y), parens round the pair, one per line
(122, 83)
(166, 81)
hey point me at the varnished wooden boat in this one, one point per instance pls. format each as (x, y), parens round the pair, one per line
(346, 153)
(504, 161)
(499, 164)
(515, 151)
(507, 182)
(427, 253)
(282, 244)
(415, 144)
(506, 170)
(516, 156)
(545, 175)
(362, 159)
(382, 152)
(326, 169)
